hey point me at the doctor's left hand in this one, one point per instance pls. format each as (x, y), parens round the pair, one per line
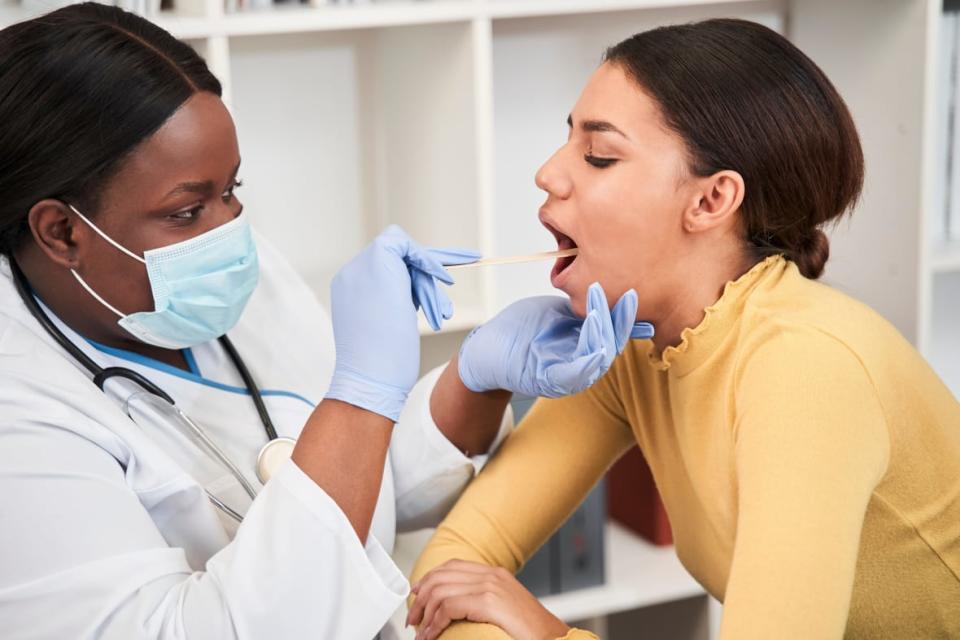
(374, 302)
(539, 347)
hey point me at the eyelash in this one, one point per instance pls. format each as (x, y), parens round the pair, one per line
(237, 183)
(599, 163)
(191, 214)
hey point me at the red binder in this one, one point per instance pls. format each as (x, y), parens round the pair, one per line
(633, 500)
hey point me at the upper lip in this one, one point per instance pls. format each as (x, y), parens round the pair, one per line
(553, 228)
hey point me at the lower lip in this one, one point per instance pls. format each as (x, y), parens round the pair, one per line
(557, 277)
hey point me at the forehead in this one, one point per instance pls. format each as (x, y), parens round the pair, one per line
(612, 95)
(197, 143)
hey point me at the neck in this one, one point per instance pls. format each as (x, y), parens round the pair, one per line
(697, 282)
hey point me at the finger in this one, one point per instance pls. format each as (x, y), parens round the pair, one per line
(420, 258)
(624, 316)
(459, 608)
(591, 335)
(447, 591)
(427, 589)
(434, 301)
(597, 301)
(642, 331)
(397, 241)
(566, 378)
(448, 256)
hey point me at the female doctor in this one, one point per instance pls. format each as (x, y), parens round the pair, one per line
(138, 497)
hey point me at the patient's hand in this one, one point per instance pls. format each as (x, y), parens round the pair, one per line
(461, 590)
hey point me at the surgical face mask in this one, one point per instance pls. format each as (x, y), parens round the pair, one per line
(200, 286)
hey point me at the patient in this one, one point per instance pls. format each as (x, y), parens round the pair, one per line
(807, 456)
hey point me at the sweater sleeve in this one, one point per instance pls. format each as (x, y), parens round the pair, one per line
(811, 444)
(537, 479)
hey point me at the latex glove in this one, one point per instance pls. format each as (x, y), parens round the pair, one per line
(374, 302)
(539, 347)
(427, 293)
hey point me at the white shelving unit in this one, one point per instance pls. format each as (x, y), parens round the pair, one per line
(436, 114)
(639, 574)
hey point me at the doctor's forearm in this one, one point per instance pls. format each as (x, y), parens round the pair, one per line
(343, 448)
(468, 419)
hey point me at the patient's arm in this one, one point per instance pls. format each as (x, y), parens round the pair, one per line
(542, 472)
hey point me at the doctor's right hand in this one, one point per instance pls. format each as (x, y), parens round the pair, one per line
(374, 302)
(538, 347)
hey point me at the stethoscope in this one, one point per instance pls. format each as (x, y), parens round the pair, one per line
(274, 453)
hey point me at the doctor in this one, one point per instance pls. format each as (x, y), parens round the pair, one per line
(137, 495)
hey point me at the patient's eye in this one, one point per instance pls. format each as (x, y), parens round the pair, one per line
(598, 162)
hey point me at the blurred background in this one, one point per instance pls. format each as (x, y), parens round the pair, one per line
(435, 114)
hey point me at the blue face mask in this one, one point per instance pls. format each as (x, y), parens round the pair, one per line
(200, 286)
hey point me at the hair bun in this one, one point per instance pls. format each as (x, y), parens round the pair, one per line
(812, 254)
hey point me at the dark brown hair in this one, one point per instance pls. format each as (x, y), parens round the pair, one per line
(744, 98)
(80, 89)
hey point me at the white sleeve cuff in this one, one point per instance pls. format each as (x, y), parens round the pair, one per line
(297, 557)
(328, 512)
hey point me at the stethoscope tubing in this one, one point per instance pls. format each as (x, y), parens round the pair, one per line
(102, 375)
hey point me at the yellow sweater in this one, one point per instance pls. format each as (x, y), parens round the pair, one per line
(807, 456)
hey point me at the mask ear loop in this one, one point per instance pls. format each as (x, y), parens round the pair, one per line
(106, 237)
(116, 245)
(96, 295)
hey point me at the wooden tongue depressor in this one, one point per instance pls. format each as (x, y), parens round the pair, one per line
(486, 262)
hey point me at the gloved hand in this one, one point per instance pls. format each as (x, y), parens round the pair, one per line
(374, 302)
(539, 347)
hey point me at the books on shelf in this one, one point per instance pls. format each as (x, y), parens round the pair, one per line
(142, 7)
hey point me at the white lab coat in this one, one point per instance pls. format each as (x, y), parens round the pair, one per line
(107, 533)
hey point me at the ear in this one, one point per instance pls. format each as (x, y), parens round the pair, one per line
(717, 198)
(54, 231)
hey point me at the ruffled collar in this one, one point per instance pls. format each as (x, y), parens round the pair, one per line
(697, 343)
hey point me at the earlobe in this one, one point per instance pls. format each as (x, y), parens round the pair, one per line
(718, 198)
(53, 229)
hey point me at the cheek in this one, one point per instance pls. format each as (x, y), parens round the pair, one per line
(125, 283)
(628, 230)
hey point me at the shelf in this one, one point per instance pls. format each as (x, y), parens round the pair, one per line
(281, 19)
(639, 574)
(500, 9)
(945, 256)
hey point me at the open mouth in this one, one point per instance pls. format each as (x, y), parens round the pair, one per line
(563, 242)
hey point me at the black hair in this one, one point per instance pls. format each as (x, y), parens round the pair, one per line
(80, 89)
(744, 98)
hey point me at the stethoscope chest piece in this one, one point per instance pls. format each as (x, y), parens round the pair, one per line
(272, 456)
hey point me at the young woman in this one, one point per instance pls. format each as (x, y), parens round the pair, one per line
(124, 262)
(808, 458)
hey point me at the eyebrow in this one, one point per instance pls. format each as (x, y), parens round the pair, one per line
(597, 126)
(197, 187)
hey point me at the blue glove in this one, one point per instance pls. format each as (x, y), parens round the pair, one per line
(539, 347)
(374, 302)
